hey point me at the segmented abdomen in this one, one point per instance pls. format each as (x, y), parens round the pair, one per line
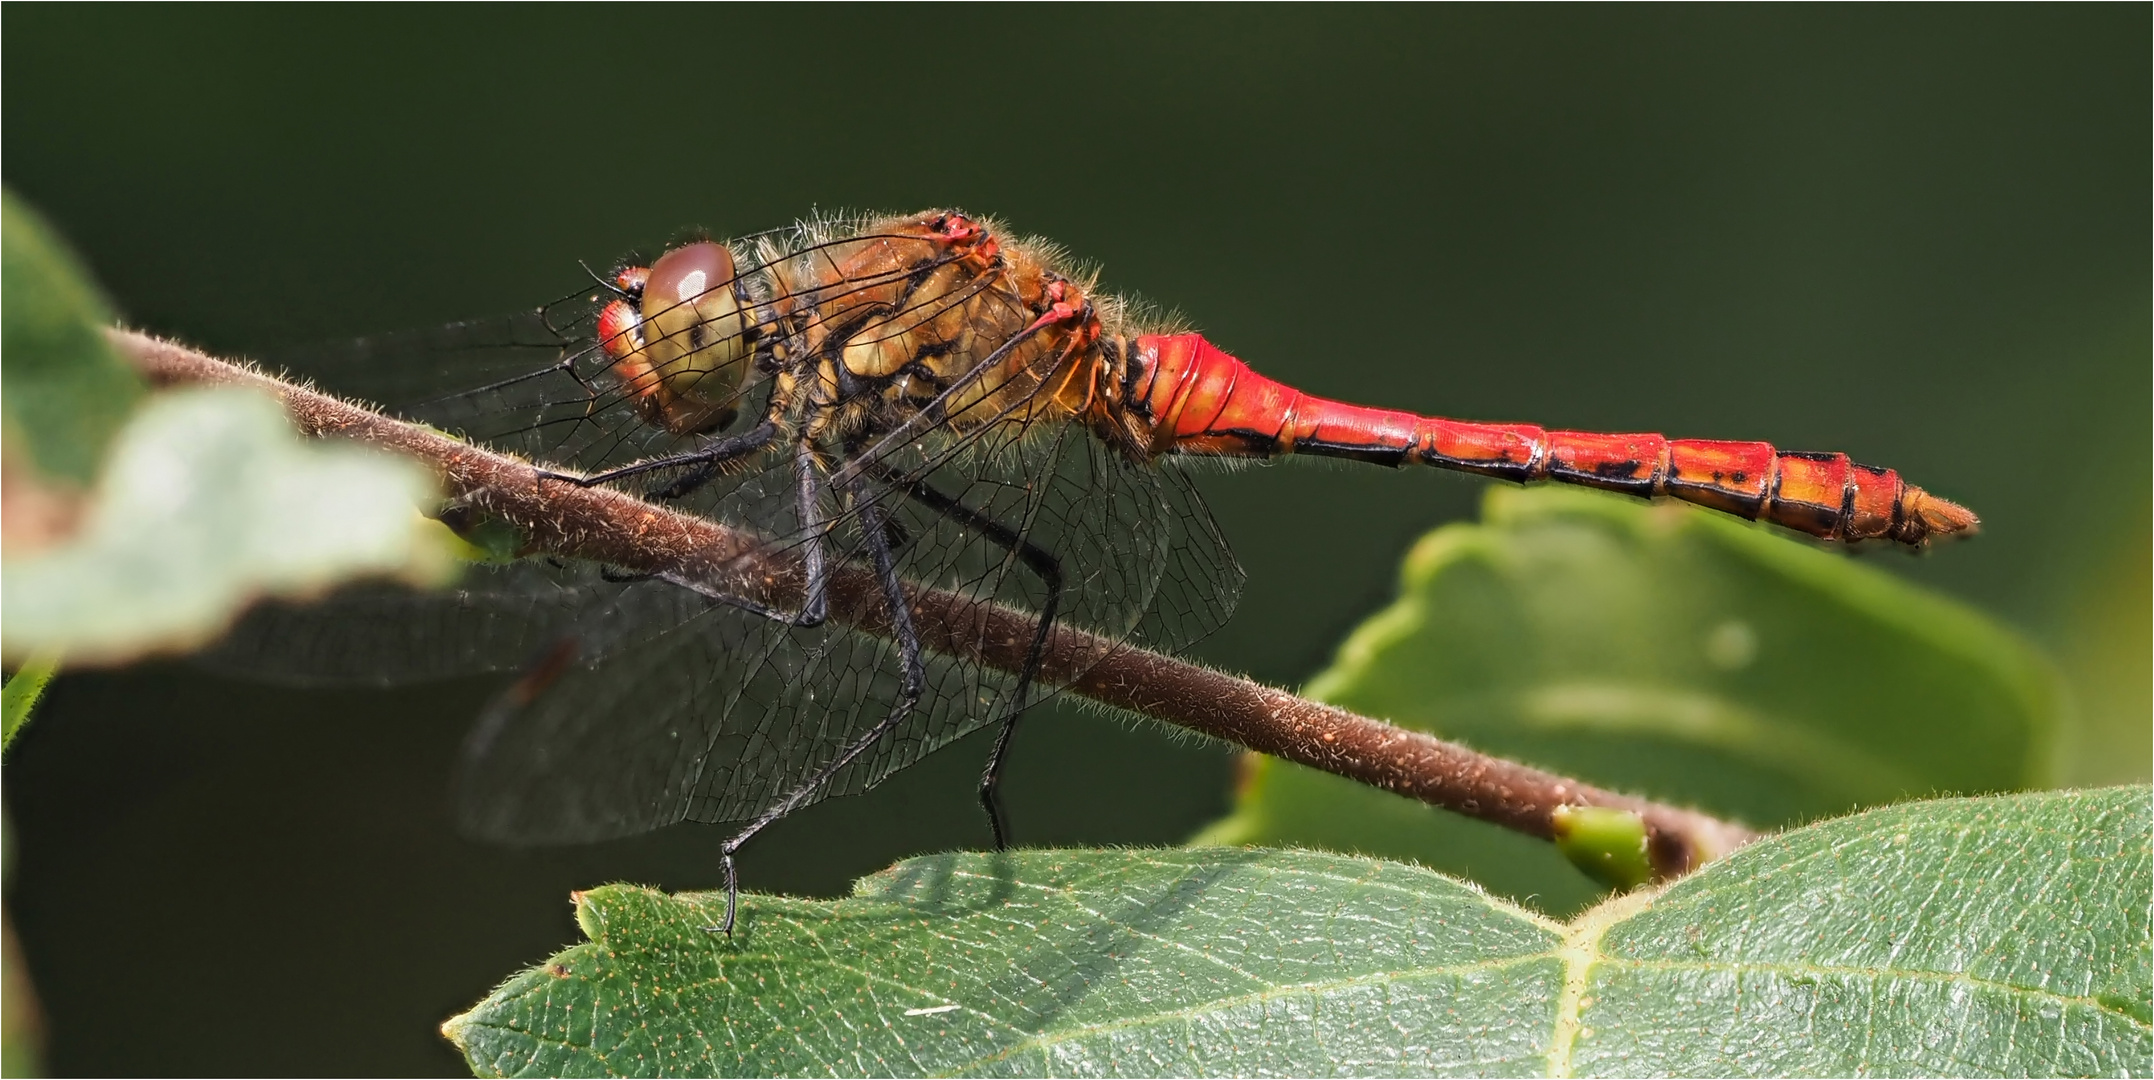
(1203, 401)
(1824, 495)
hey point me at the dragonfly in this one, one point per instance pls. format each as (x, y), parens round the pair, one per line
(926, 400)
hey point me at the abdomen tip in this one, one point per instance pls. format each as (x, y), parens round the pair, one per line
(1925, 517)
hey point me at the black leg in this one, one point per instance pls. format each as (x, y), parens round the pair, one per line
(814, 565)
(689, 483)
(912, 683)
(1048, 569)
(706, 461)
(1020, 699)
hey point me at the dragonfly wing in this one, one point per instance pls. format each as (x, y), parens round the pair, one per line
(1200, 581)
(586, 747)
(497, 618)
(717, 721)
(723, 716)
(407, 372)
(535, 384)
(668, 706)
(1013, 517)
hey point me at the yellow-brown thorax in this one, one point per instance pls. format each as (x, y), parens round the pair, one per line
(928, 313)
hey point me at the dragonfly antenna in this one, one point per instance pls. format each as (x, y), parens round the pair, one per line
(603, 283)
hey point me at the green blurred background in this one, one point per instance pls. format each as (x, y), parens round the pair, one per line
(1918, 235)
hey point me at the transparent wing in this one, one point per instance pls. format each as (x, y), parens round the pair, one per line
(497, 618)
(722, 716)
(454, 375)
(731, 712)
(506, 382)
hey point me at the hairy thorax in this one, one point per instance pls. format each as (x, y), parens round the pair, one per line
(931, 318)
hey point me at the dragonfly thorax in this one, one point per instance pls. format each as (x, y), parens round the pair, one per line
(915, 321)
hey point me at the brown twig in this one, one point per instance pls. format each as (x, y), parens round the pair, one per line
(621, 530)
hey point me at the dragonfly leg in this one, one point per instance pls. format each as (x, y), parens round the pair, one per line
(912, 683)
(705, 460)
(1049, 571)
(814, 566)
(815, 605)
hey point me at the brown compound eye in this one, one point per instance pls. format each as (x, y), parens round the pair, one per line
(685, 273)
(691, 346)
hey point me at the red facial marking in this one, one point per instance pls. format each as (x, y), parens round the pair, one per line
(617, 326)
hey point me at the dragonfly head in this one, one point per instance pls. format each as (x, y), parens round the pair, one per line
(678, 338)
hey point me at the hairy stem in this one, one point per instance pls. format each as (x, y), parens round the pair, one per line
(611, 527)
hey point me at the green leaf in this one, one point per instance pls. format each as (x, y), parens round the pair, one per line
(203, 499)
(23, 689)
(2004, 935)
(1668, 652)
(1999, 936)
(210, 500)
(67, 391)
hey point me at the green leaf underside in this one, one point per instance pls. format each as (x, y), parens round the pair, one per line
(67, 390)
(209, 500)
(2002, 935)
(1669, 652)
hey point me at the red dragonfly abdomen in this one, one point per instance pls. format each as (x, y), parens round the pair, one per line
(1203, 401)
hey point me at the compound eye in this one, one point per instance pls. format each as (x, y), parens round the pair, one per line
(685, 273)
